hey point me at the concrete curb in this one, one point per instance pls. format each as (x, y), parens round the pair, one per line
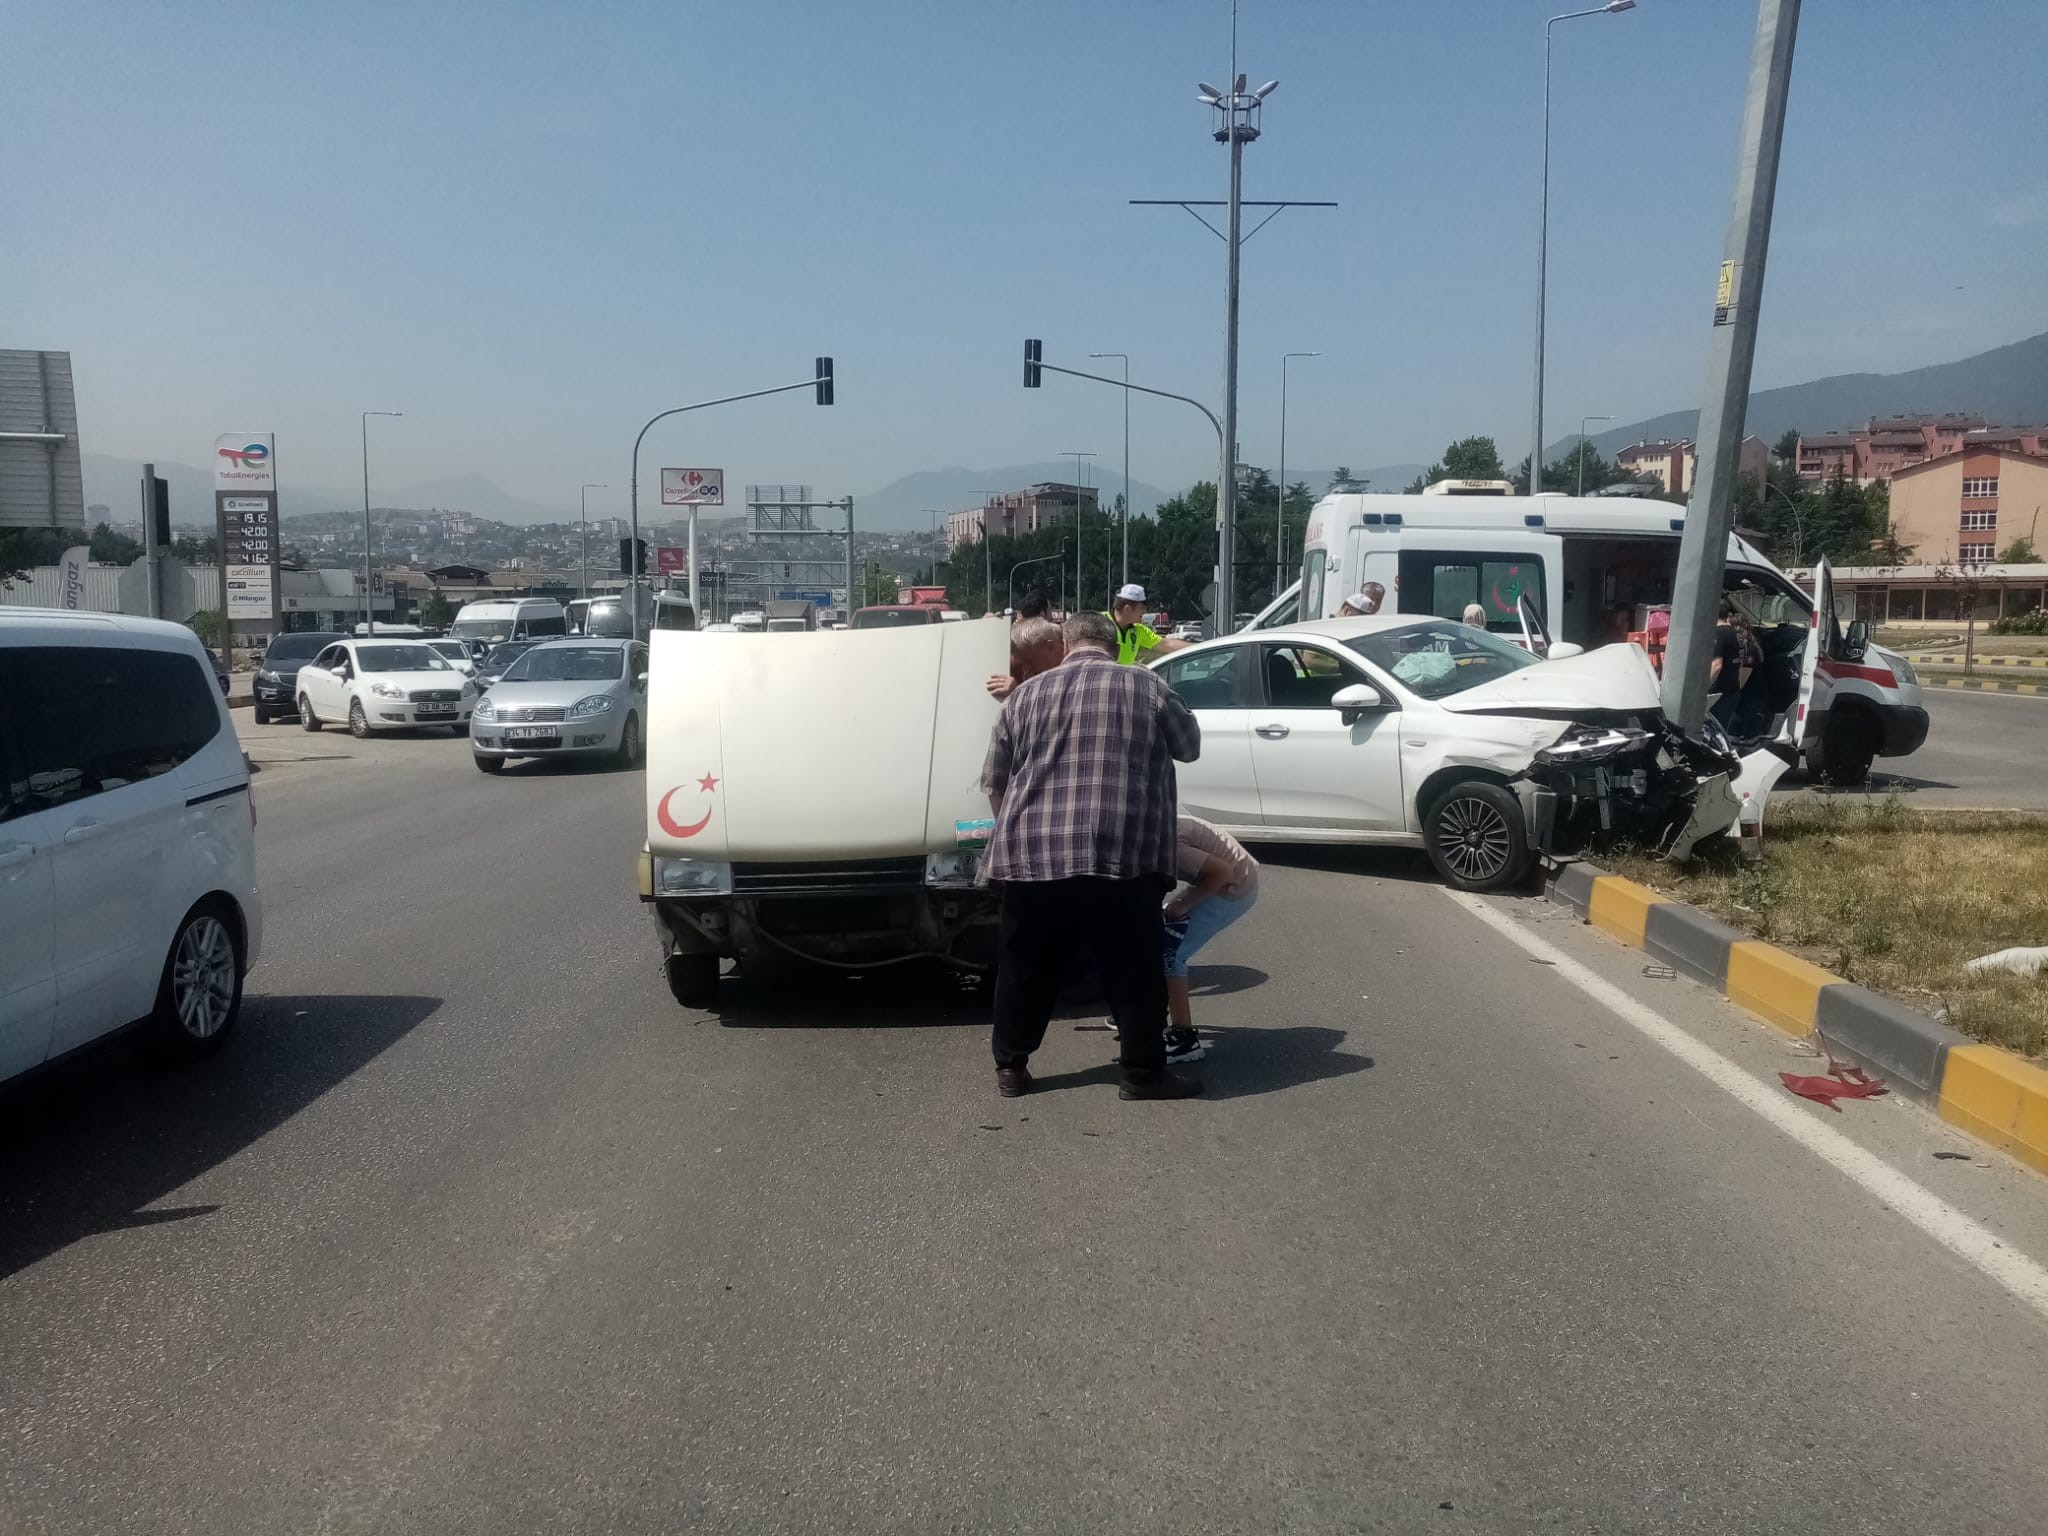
(1955, 659)
(1989, 1092)
(1983, 685)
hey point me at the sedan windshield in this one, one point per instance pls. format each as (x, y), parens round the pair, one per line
(297, 647)
(568, 664)
(1437, 659)
(399, 658)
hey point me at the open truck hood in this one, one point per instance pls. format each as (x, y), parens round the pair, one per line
(1615, 677)
(821, 747)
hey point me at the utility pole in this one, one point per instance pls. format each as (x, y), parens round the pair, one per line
(1280, 515)
(586, 534)
(369, 625)
(1585, 421)
(1731, 350)
(1124, 580)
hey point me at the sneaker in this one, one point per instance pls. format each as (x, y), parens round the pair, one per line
(1165, 1085)
(1184, 1045)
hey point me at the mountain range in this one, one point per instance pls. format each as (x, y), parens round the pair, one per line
(2007, 386)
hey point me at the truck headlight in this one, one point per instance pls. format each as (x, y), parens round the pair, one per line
(956, 868)
(691, 877)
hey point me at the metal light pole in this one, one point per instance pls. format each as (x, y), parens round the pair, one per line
(1280, 515)
(369, 628)
(1126, 519)
(1731, 350)
(594, 486)
(1077, 455)
(1798, 520)
(1582, 448)
(1543, 234)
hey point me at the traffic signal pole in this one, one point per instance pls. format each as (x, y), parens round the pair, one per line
(821, 381)
(1731, 350)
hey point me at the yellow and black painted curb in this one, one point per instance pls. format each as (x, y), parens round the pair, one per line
(1981, 684)
(1955, 659)
(1989, 1092)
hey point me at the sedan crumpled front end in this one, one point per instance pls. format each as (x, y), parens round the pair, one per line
(1640, 782)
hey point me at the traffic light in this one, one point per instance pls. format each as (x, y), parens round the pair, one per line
(632, 557)
(1034, 354)
(157, 492)
(824, 380)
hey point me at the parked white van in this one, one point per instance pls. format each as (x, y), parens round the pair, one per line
(1568, 566)
(128, 887)
(495, 620)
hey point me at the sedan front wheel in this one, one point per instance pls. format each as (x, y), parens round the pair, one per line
(1475, 837)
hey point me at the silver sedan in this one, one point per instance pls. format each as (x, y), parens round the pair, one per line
(567, 698)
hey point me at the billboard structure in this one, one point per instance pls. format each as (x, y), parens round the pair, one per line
(245, 514)
(42, 484)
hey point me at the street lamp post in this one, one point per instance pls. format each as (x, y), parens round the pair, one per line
(1126, 519)
(1798, 521)
(1582, 448)
(369, 627)
(1280, 516)
(821, 381)
(594, 486)
(1543, 232)
(1077, 455)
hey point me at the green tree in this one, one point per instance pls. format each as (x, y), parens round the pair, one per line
(111, 548)
(195, 550)
(1786, 449)
(1470, 458)
(436, 612)
(206, 625)
(23, 549)
(1338, 476)
(2019, 552)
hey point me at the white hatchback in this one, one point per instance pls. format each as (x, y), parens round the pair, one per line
(384, 685)
(127, 839)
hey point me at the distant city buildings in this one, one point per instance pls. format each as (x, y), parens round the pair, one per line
(1675, 461)
(1885, 445)
(1048, 504)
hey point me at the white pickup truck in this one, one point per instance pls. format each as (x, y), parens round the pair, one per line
(819, 797)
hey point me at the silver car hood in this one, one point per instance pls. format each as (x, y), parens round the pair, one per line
(515, 694)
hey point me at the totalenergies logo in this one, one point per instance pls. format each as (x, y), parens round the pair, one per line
(253, 456)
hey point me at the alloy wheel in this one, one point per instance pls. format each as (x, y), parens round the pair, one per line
(1474, 837)
(203, 977)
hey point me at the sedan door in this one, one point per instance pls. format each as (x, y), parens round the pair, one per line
(1316, 769)
(1214, 683)
(319, 684)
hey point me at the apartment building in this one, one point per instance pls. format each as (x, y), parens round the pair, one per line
(1967, 505)
(1675, 461)
(1884, 445)
(1049, 504)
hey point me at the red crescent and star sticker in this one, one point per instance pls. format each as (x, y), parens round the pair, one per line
(707, 785)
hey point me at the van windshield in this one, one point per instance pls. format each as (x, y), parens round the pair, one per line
(488, 630)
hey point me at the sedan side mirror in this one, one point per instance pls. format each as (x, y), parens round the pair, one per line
(1561, 650)
(1355, 699)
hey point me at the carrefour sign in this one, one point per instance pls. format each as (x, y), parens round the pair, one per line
(245, 461)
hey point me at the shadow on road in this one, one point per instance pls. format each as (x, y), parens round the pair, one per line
(1222, 980)
(1409, 864)
(90, 1144)
(1242, 1063)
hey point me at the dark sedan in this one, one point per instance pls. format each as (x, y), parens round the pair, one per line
(277, 674)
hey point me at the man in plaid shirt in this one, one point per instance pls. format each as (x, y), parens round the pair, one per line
(1080, 770)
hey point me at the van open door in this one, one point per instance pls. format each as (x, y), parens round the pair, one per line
(1823, 638)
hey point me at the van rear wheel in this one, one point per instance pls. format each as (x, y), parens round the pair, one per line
(199, 994)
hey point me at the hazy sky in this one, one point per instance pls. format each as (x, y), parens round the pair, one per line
(530, 227)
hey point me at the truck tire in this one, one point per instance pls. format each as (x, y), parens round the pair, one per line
(1843, 754)
(1475, 837)
(693, 979)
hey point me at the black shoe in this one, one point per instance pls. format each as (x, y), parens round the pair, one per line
(1013, 1082)
(1166, 1085)
(1184, 1045)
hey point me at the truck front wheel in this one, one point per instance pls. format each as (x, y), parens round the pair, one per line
(693, 979)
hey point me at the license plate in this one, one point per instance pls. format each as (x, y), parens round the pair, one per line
(435, 709)
(531, 733)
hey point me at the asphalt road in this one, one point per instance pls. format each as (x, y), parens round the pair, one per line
(1983, 750)
(472, 1230)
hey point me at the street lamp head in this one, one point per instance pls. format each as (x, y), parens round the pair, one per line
(1615, 6)
(1209, 92)
(1273, 85)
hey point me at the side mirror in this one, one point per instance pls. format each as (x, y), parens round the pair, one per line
(640, 681)
(1355, 699)
(1857, 641)
(1561, 650)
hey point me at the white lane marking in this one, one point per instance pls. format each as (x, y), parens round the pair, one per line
(1966, 1239)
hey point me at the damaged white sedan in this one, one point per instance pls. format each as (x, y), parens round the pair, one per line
(1428, 733)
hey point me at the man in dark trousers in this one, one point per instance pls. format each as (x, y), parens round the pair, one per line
(1080, 770)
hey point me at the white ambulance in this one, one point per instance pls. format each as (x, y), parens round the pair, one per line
(1587, 570)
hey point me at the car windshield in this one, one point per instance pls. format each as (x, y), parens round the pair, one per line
(504, 655)
(297, 647)
(611, 620)
(1435, 660)
(481, 629)
(399, 658)
(568, 664)
(454, 650)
